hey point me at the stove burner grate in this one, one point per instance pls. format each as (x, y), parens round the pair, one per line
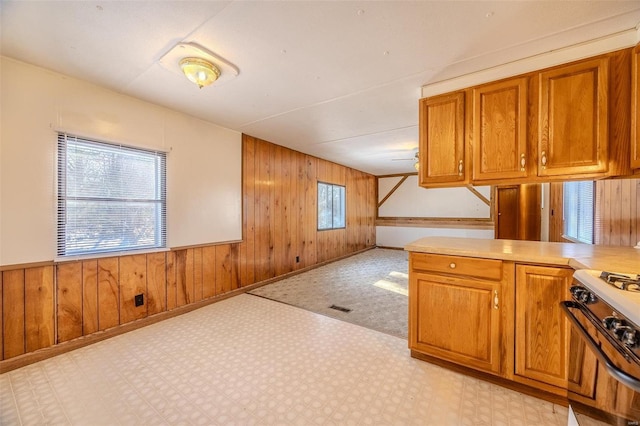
(621, 281)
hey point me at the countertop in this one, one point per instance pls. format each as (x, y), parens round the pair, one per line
(577, 256)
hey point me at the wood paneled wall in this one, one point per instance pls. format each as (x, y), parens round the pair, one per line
(280, 211)
(617, 214)
(42, 306)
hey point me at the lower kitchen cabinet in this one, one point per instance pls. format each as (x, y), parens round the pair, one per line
(454, 310)
(541, 329)
(493, 316)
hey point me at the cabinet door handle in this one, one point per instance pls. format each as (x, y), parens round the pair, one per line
(452, 265)
(460, 168)
(523, 162)
(495, 299)
(543, 159)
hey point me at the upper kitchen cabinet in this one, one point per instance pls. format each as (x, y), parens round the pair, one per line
(442, 145)
(499, 135)
(573, 119)
(635, 109)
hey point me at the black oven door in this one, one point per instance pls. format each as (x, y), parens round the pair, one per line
(603, 385)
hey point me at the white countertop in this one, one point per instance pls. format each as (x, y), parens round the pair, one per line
(577, 256)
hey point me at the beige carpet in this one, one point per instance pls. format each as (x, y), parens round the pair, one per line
(372, 285)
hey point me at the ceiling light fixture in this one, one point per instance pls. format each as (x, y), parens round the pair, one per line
(199, 71)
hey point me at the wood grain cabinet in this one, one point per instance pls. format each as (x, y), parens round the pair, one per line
(635, 109)
(541, 329)
(454, 309)
(442, 144)
(573, 119)
(499, 136)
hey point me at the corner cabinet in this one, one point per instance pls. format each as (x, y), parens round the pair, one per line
(455, 309)
(635, 109)
(573, 122)
(499, 136)
(541, 329)
(442, 145)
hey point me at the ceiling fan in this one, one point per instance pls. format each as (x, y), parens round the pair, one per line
(415, 158)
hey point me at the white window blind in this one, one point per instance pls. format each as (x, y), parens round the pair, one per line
(331, 206)
(578, 206)
(110, 197)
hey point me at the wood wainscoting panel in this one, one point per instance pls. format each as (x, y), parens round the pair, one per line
(171, 281)
(156, 283)
(108, 292)
(184, 277)
(133, 281)
(223, 269)
(69, 311)
(39, 308)
(1, 322)
(91, 289)
(197, 274)
(209, 271)
(13, 311)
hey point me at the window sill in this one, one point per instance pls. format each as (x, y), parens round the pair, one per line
(74, 258)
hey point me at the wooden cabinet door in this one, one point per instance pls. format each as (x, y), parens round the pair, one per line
(442, 140)
(541, 329)
(499, 142)
(635, 109)
(456, 319)
(574, 119)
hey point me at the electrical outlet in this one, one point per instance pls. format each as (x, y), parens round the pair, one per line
(139, 299)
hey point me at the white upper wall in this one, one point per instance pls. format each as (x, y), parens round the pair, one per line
(204, 160)
(411, 200)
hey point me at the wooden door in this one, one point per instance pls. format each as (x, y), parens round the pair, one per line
(574, 119)
(499, 143)
(507, 208)
(455, 319)
(442, 156)
(541, 329)
(635, 109)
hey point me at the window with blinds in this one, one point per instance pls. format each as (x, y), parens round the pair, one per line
(578, 206)
(331, 206)
(110, 197)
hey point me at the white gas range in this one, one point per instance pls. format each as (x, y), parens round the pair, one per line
(605, 315)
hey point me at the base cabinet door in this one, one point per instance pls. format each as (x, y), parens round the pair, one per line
(541, 329)
(456, 319)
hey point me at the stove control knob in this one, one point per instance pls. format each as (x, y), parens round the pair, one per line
(629, 337)
(576, 290)
(612, 323)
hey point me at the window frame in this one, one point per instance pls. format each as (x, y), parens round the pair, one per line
(333, 217)
(63, 198)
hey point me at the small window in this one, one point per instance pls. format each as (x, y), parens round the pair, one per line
(110, 197)
(331, 206)
(578, 202)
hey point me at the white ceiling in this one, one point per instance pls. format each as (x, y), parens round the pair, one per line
(336, 79)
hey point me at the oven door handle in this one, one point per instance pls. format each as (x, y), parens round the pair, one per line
(615, 372)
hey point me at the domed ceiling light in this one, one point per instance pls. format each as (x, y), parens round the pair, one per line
(199, 71)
